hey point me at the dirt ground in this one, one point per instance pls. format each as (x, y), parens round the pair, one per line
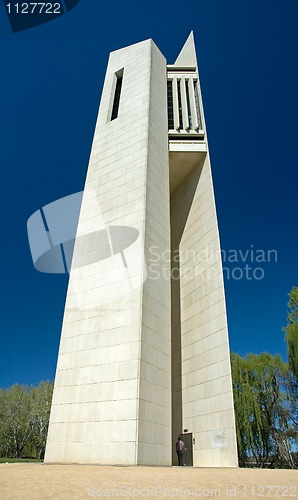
(65, 482)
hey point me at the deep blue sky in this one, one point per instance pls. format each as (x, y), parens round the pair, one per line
(50, 85)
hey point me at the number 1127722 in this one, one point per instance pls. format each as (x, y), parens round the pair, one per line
(33, 8)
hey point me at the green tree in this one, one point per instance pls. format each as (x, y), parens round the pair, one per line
(291, 332)
(265, 395)
(17, 425)
(24, 419)
(263, 422)
(41, 406)
(291, 337)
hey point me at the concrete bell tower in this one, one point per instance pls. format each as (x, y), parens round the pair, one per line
(144, 353)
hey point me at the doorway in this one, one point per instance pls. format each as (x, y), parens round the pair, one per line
(188, 455)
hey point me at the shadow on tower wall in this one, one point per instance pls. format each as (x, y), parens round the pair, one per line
(180, 204)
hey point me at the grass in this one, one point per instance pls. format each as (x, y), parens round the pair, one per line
(16, 460)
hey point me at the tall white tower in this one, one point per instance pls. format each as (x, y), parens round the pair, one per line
(144, 354)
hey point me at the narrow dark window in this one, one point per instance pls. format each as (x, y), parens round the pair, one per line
(116, 102)
(188, 104)
(170, 105)
(180, 104)
(195, 84)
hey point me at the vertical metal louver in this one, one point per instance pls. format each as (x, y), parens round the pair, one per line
(183, 104)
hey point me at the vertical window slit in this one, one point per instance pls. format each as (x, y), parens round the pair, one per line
(116, 102)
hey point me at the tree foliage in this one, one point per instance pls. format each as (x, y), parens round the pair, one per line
(24, 418)
(265, 398)
(291, 336)
(263, 417)
(291, 332)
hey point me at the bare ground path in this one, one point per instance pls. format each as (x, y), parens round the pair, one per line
(65, 482)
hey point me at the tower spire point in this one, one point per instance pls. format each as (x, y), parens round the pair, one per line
(187, 55)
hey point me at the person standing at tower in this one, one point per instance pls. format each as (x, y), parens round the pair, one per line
(180, 448)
